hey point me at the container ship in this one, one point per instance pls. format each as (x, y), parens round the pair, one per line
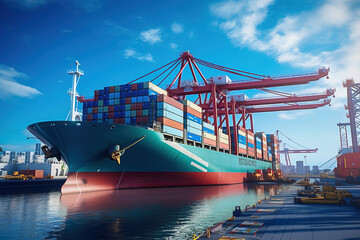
(138, 135)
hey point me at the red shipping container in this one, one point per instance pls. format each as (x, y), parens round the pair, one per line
(139, 106)
(133, 107)
(128, 100)
(96, 93)
(94, 110)
(192, 111)
(224, 146)
(210, 142)
(145, 119)
(89, 117)
(96, 97)
(171, 123)
(34, 173)
(170, 100)
(116, 120)
(110, 108)
(112, 89)
(138, 119)
(110, 115)
(121, 120)
(242, 151)
(134, 86)
(139, 113)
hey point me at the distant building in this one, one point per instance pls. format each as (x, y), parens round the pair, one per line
(5, 157)
(300, 168)
(315, 170)
(29, 157)
(307, 169)
(38, 150)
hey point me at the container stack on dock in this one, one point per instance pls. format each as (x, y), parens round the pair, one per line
(192, 121)
(269, 154)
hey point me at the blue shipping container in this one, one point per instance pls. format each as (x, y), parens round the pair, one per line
(208, 131)
(193, 137)
(172, 131)
(168, 107)
(192, 117)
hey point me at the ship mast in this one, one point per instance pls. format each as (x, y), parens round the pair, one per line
(75, 115)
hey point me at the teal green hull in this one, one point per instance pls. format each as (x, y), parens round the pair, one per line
(84, 146)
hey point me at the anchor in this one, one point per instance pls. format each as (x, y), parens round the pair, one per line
(115, 152)
(52, 152)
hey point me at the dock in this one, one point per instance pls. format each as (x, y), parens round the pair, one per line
(278, 217)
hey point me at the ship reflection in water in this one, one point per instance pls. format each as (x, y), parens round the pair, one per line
(153, 213)
(157, 213)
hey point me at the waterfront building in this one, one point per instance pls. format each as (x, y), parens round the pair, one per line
(300, 168)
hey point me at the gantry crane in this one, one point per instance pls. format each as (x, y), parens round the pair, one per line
(286, 151)
(213, 99)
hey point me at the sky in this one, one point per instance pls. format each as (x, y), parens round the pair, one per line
(116, 42)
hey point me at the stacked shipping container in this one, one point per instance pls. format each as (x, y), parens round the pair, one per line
(264, 146)
(241, 140)
(274, 145)
(250, 143)
(145, 104)
(192, 121)
(170, 114)
(209, 134)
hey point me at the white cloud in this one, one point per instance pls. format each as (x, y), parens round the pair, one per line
(130, 53)
(293, 115)
(326, 36)
(151, 36)
(177, 28)
(147, 57)
(9, 85)
(173, 46)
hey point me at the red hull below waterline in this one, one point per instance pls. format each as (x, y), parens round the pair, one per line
(99, 181)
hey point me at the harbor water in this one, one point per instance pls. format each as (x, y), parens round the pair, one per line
(154, 213)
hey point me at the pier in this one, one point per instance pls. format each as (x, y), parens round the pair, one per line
(278, 217)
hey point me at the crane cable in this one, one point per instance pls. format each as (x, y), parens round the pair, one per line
(293, 140)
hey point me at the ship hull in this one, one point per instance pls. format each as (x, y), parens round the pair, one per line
(151, 162)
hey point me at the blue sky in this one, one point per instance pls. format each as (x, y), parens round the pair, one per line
(117, 42)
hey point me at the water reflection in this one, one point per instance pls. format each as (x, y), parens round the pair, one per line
(157, 213)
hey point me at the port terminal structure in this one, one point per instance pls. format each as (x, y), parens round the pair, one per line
(348, 163)
(220, 107)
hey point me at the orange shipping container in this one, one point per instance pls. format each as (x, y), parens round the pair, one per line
(35, 173)
(224, 146)
(192, 111)
(170, 123)
(170, 100)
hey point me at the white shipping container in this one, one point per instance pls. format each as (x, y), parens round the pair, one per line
(192, 105)
(220, 80)
(208, 126)
(209, 136)
(222, 140)
(240, 98)
(155, 88)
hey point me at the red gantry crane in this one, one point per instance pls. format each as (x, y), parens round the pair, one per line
(212, 93)
(286, 151)
(218, 107)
